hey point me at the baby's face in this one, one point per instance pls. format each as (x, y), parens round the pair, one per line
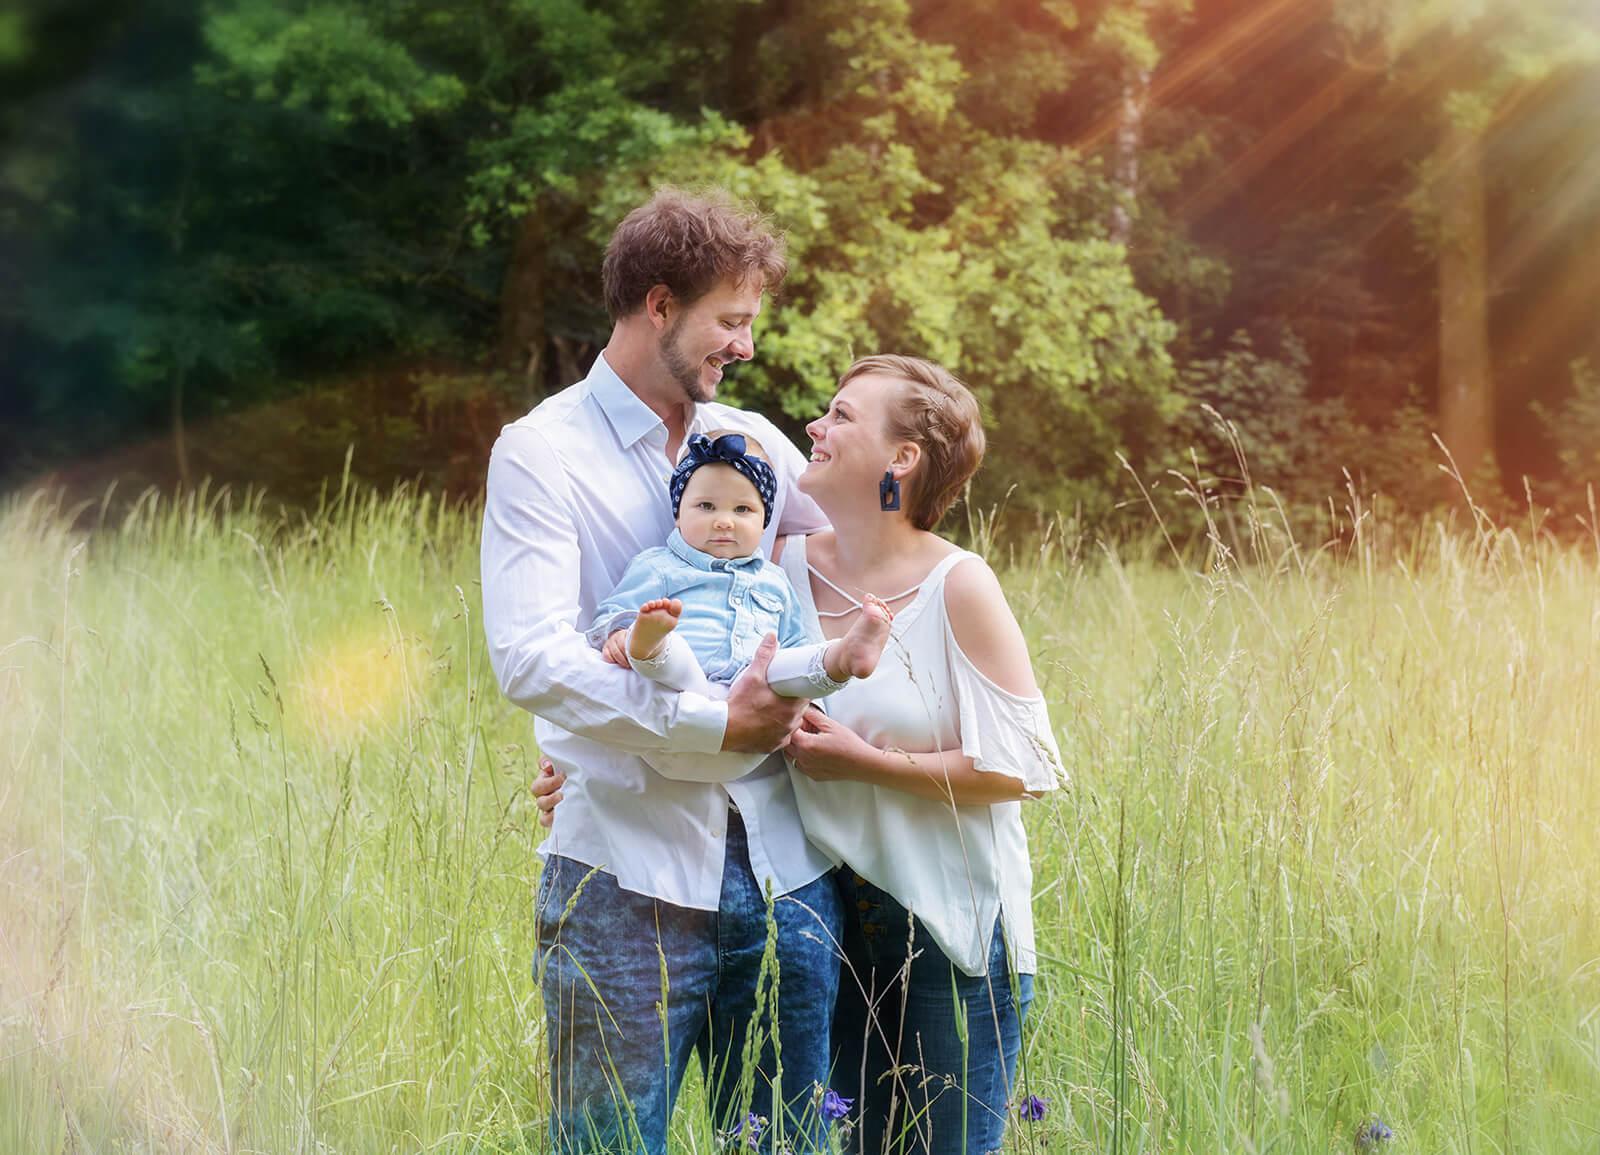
(721, 512)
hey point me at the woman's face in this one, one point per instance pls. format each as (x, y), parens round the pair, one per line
(850, 446)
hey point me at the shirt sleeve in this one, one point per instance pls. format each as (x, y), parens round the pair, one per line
(641, 582)
(531, 566)
(1001, 731)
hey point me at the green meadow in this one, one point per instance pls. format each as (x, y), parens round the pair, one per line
(267, 851)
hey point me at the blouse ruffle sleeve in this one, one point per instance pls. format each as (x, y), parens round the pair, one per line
(1001, 731)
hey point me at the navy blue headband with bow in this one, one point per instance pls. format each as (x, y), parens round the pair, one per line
(729, 449)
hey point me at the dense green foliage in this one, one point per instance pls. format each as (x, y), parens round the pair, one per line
(267, 849)
(1089, 208)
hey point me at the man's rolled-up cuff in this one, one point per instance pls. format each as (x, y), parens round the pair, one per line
(699, 726)
(701, 761)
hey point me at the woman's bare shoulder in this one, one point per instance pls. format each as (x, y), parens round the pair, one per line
(986, 629)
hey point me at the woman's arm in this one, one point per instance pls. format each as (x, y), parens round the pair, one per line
(827, 751)
(988, 636)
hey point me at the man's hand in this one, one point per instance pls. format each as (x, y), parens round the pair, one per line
(759, 720)
(547, 789)
(615, 650)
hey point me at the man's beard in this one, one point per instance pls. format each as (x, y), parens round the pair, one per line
(685, 372)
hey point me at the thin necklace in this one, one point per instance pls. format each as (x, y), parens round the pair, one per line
(854, 604)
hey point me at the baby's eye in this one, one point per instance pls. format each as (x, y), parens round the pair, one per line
(705, 507)
(743, 509)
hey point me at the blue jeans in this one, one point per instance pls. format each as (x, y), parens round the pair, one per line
(897, 1035)
(632, 985)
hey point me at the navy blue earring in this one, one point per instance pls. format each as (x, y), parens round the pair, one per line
(888, 492)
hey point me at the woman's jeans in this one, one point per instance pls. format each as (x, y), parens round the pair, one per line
(898, 1028)
(632, 985)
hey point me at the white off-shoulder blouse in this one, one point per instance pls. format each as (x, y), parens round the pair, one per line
(955, 867)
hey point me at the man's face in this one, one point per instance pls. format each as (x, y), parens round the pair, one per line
(721, 512)
(700, 339)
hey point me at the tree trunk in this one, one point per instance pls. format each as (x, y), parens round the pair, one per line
(521, 342)
(1130, 140)
(1466, 387)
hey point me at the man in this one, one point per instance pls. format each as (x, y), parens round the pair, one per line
(652, 911)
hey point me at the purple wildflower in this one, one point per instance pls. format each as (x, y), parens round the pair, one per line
(835, 1106)
(1033, 1108)
(748, 1131)
(1371, 1133)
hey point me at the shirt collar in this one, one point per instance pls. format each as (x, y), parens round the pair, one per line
(629, 416)
(704, 561)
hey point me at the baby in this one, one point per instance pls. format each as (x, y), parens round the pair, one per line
(690, 614)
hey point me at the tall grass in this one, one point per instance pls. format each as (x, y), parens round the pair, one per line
(267, 855)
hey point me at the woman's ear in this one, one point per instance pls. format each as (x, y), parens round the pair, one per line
(907, 456)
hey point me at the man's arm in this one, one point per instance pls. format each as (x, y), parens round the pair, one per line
(531, 572)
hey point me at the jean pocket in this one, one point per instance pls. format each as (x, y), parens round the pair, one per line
(549, 901)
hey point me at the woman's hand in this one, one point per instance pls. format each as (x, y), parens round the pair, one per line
(547, 787)
(828, 752)
(615, 651)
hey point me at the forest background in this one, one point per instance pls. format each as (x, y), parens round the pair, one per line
(245, 236)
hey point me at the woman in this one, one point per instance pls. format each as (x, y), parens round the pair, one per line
(914, 777)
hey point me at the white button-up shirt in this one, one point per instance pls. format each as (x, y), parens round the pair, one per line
(576, 489)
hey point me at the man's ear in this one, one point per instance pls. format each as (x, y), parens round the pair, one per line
(658, 305)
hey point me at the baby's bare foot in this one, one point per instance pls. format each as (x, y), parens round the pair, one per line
(657, 618)
(856, 654)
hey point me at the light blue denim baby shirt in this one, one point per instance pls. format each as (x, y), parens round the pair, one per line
(729, 604)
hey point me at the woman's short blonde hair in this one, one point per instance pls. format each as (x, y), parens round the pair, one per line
(938, 414)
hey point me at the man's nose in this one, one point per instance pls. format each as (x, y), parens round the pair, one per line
(743, 345)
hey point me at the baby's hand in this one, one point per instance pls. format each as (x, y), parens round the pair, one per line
(615, 650)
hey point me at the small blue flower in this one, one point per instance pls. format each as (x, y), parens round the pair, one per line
(1033, 1108)
(1371, 1133)
(835, 1106)
(747, 1132)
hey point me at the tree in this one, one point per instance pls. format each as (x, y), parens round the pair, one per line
(247, 193)
(1482, 60)
(926, 217)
